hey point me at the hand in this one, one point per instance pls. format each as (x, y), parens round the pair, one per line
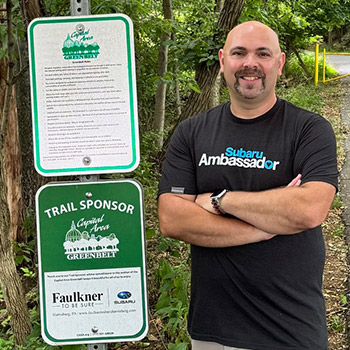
(295, 182)
(265, 236)
(203, 200)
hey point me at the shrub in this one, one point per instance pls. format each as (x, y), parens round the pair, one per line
(294, 70)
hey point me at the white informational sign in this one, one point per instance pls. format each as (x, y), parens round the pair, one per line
(78, 297)
(84, 102)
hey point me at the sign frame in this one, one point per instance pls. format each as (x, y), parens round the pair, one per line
(83, 166)
(52, 270)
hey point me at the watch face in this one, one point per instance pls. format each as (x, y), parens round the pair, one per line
(218, 193)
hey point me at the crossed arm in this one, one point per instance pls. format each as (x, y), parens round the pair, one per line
(261, 215)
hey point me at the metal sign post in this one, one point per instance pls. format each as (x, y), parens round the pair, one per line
(80, 7)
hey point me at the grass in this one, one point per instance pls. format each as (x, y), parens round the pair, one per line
(304, 95)
(293, 68)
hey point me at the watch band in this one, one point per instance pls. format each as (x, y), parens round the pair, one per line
(215, 201)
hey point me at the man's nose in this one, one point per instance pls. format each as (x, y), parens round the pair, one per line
(250, 61)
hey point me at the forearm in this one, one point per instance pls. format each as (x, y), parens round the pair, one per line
(272, 211)
(184, 220)
(282, 211)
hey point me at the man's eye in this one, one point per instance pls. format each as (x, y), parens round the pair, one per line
(264, 54)
(237, 53)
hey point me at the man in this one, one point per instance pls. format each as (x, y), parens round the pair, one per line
(248, 184)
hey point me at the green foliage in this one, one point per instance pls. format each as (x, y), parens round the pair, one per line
(173, 302)
(303, 95)
(18, 30)
(299, 23)
(294, 70)
(337, 202)
(23, 253)
(195, 27)
(344, 299)
(338, 230)
(34, 340)
(6, 344)
(145, 172)
(28, 273)
(336, 324)
(179, 346)
(6, 322)
(57, 7)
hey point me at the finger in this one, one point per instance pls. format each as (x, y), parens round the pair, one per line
(295, 182)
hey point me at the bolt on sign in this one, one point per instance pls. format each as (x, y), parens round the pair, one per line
(83, 89)
(92, 262)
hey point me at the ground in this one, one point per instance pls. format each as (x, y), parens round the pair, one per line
(337, 267)
(335, 282)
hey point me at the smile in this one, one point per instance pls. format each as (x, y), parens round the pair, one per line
(250, 78)
(250, 75)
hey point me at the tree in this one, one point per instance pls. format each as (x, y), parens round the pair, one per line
(208, 70)
(10, 280)
(31, 180)
(299, 24)
(159, 105)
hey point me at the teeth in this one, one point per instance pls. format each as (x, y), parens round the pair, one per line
(250, 78)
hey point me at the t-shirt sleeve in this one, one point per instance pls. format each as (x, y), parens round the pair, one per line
(316, 155)
(178, 175)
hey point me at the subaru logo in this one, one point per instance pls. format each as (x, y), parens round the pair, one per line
(124, 295)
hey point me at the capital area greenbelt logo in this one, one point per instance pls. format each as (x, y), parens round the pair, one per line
(78, 44)
(82, 245)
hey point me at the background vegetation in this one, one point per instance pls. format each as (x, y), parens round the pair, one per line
(176, 51)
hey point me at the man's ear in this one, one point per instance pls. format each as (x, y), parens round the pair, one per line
(282, 61)
(221, 60)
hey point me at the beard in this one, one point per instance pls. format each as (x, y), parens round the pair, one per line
(249, 92)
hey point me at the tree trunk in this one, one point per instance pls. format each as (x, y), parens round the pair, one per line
(177, 85)
(12, 160)
(330, 39)
(206, 76)
(301, 62)
(159, 109)
(215, 96)
(218, 6)
(32, 9)
(31, 180)
(10, 281)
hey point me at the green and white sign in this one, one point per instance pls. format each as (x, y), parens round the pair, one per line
(92, 262)
(84, 102)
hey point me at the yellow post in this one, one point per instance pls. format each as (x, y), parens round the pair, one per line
(324, 66)
(316, 64)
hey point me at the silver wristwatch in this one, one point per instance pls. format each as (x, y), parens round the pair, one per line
(215, 200)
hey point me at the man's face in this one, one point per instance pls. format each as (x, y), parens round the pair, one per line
(251, 61)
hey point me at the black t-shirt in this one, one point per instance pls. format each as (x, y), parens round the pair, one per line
(266, 295)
